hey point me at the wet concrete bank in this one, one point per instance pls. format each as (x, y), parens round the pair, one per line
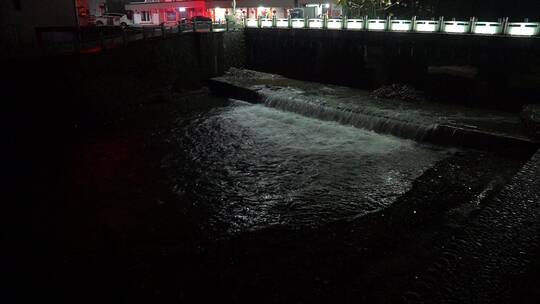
(494, 251)
(424, 121)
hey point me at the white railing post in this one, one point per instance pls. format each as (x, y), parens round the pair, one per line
(505, 25)
(472, 26)
(365, 21)
(502, 26)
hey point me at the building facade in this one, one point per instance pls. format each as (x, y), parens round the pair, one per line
(154, 12)
(20, 20)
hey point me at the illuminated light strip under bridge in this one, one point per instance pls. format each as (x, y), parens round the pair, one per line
(473, 26)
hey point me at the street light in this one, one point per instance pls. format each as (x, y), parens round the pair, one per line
(76, 9)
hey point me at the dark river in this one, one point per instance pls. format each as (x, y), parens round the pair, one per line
(257, 166)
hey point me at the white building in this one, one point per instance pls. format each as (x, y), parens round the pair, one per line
(97, 7)
(155, 12)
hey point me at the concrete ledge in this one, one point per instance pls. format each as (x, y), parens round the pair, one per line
(228, 90)
(478, 139)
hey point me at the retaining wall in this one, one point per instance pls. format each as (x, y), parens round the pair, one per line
(474, 69)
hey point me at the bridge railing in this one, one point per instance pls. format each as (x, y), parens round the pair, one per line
(298, 23)
(316, 23)
(459, 27)
(354, 24)
(523, 28)
(334, 24)
(472, 26)
(427, 26)
(282, 23)
(488, 28)
(401, 25)
(376, 24)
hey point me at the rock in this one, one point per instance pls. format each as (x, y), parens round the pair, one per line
(399, 91)
(530, 115)
(241, 73)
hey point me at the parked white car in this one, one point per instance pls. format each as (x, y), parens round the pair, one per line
(113, 19)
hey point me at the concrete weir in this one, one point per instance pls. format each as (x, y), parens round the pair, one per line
(440, 124)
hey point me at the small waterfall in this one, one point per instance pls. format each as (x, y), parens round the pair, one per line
(370, 119)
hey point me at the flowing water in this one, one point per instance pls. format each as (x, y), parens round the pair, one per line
(374, 118)
(257, 166)
(405, 119)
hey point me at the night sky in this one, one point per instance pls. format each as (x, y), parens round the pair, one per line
(484, 9)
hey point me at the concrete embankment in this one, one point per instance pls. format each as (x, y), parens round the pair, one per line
(93, 88)
(488, 261)
(497, 72)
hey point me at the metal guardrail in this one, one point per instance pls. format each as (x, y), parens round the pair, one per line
(87, 39)
(68, 39)
(472, 26)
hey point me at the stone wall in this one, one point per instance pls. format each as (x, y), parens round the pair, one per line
(96, 88)
(234, 50)
(147, 71)
(505, 70)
